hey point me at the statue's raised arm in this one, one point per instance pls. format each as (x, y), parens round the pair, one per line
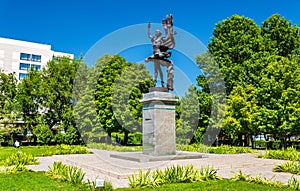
(161, 53)
(149, 32)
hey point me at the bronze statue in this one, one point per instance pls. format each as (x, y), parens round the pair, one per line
(161, 45)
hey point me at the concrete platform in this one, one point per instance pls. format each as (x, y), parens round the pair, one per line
(140, 157)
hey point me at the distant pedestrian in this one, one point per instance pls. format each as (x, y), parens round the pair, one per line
(17, 144)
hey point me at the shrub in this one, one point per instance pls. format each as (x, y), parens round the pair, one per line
(240, 176)
(19, 159)
(225, 149)
(288, 154)
(173, 174)
(67, 173)
(103, 146)
(192, 148)
(291, 167)
(294, 183)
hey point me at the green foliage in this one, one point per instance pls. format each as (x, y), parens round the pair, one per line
(118, 92)
(288, 154)
(173, 174)
(133, 138)
(189, 116)
(20, 159)
(43, 132)
(294, 183)
(192, 148)
(282, 36)
(235, 41)
(109, 147)
(240, 176)
(290, 166)
(13, 169)
(225, 149)
(67, 173)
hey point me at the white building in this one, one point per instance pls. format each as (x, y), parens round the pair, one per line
(18, 56)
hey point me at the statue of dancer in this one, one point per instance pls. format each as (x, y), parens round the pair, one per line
(161, 45)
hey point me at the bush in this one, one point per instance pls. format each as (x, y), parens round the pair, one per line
(67, 173)
(43, 133)
(20, 159)
(288, 154)
(240, 176)
(67, 149)
(291, 167)
(173, 174)
(225, 149)
(192, 148)
(103, 146)
(294, 183)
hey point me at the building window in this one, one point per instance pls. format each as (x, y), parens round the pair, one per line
(25, 56)
(36, 58)
(24, 66)
(22, 76)
(36, 67)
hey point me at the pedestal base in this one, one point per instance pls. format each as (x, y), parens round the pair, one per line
(159, 123)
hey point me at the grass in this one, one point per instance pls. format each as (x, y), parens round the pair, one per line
(35, 151)
(224, 185)
(35, 181)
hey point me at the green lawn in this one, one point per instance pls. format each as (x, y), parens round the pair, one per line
(36, 181)
(42, 150)
(224, 185)
(31, 181)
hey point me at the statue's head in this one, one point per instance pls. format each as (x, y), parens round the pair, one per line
(158, 33)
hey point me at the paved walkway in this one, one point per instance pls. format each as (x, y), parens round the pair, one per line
(101, 166)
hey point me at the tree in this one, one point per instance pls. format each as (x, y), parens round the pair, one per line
(278, 98)
(109, 69)
(85, 112)
(235, 41)
(281, 36)
(8, 106)
(189, 117)
(241, 113)
(56, 91)
(29, 98)
(126, 96)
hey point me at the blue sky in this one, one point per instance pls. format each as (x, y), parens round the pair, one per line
(74, 26)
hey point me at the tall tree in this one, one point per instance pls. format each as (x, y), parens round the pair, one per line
(109, 69)
(56, 89)
(126, 96)
(8, 107)
(235, 41)
(29, 98)
(281, 35)
(278, 98)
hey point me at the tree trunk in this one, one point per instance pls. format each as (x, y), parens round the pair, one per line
(126, 137)
(108, 138)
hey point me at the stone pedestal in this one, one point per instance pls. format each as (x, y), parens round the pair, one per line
(159, 137)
